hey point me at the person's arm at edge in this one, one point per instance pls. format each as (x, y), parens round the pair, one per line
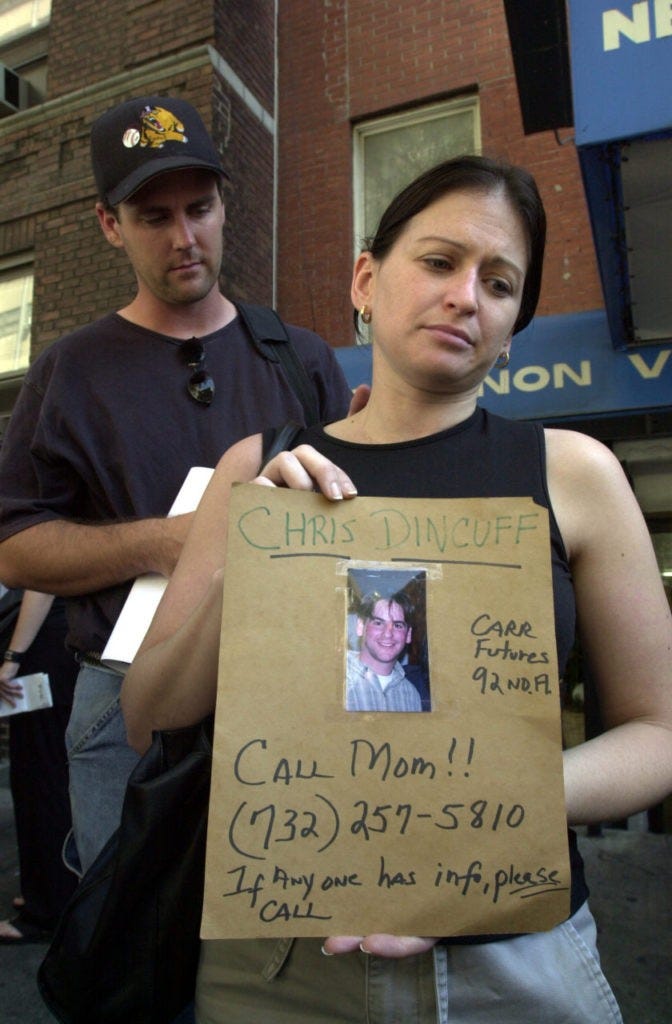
(33, 611)
(626, 631)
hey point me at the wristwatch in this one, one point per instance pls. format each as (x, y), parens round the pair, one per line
(14, 656)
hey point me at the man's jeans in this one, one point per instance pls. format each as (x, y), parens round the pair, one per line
(100, 763)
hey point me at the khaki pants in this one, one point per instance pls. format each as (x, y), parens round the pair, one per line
(546, 978)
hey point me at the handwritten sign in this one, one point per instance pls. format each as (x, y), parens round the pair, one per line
(324, 821)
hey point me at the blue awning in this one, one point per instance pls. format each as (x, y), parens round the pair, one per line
(562, 367)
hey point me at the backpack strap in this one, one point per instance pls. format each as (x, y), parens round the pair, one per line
(278, 439)
(271, 339)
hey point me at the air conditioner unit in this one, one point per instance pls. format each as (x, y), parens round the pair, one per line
(14, 91)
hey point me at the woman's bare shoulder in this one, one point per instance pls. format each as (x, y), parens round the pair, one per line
(589, 490)
(572, 452)
(242, 458)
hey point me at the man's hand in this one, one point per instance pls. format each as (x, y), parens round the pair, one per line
(304, 469)
(360, 397)
(394, 947)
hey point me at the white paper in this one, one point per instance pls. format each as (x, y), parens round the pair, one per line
(143, 600)
(36, 695)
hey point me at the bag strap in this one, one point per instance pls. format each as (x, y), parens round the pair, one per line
(271, 339)
(277, 439)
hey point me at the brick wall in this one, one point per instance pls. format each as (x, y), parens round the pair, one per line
(339, 62)
(343, 62)
(98, 58)
(90, 41)
(245, 35)
(250, 55)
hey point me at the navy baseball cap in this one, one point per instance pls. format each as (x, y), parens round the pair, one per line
(142, 138)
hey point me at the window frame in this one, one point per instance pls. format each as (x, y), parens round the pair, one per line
(437, 110)
(9, 266)
(36, 22)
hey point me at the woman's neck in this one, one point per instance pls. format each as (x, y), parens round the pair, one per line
(390, 416)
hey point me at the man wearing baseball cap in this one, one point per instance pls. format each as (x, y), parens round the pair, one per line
(111, 417)
(157, 135)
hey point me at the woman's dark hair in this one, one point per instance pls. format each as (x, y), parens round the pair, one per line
(472, 174)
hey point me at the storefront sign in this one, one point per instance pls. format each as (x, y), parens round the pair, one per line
(620, 59)
(562, 366)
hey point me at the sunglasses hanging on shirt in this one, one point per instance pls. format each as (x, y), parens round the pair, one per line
(200, 385)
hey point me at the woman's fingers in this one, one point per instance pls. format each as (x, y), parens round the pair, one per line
(390, 946)
(305, 469)
(10, 692)
(341, 944)
(396, 946)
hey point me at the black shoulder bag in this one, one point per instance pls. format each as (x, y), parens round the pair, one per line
(270, 338)
(126, 947)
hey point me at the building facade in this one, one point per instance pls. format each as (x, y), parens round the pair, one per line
(321, 111)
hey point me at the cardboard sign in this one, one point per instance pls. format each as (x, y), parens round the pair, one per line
(327, 821)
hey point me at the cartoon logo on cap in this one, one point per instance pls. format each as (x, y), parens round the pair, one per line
(157, 125)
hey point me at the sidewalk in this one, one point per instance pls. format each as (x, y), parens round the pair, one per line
(20, 1002)
(629, 873)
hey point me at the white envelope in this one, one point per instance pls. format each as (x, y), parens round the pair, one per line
(143, 600)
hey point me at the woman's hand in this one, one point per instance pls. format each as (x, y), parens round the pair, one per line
(392, 946)
(9, 690)
(304, 469)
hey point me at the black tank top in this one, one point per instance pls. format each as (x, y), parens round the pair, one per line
(485, 456)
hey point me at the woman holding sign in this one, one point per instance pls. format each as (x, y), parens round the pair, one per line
(453, 272)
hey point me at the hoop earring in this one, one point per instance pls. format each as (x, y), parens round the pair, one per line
(502, 360)
(365, 314)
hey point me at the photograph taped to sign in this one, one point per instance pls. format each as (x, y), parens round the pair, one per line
(386, 658)
(325, 821)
